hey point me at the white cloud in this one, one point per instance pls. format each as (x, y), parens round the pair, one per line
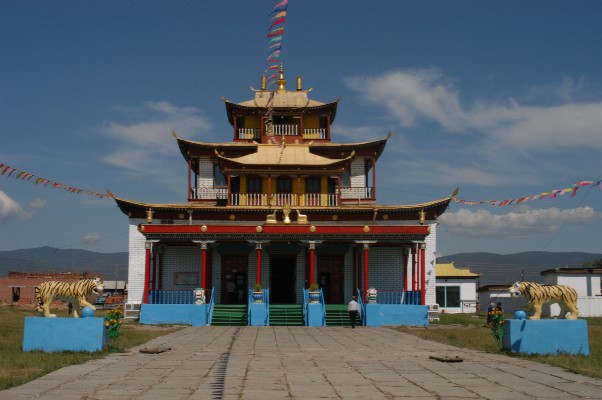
(150, 125)
(92, 237)
(412, 95)
(521, 222)
(38, 203)
(10, 208)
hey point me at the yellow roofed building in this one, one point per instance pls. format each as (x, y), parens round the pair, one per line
(456, 289)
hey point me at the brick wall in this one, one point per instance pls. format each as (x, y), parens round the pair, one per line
(27, 285)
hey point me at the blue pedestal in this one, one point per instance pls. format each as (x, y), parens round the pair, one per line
(396, 314)
(64, 334)
(174, 314)
(315, 315)
(546, 336)
(258, 314)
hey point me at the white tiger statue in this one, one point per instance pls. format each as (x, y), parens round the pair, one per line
(537, 295)
(74, 292)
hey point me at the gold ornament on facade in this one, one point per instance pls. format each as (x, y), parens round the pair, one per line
(301, 218)
(271, 218)
(259, 228)
(366, 229)
(385, 216)
(335, 217)
(421, 217)
(204, 228)
(181, 216)
(286, 210)
(312, 229)
(140, 228)
(149, 216)
(232, 217)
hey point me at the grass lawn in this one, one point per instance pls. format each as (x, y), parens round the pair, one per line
(18, 367)
(469, 331)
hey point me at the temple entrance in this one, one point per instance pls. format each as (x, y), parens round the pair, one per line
(234, 279)
(330, 277)
(282, 280)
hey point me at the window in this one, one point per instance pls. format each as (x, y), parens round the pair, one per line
(448, 296)
(285, 185)
(253, 184)
(312, 184)
(218, 177)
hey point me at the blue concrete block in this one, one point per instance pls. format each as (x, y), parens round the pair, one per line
(174, 314)
(546, 336)
(396, 314)
(315, 314)
(64, 334)
(258, 314)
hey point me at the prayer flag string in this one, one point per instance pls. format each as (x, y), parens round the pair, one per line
(552, 194)
(273, 62)
(10, 172)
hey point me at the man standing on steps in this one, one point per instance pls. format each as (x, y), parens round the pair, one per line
(353, 310)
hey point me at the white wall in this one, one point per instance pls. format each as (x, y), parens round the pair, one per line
(584, 284)
(468, 295)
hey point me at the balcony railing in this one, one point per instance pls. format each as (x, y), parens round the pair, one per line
(284, 130)
(281, 199)
(314, 133)
(249, 133)
(349, 192)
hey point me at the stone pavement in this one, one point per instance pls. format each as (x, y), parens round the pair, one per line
(305, 363)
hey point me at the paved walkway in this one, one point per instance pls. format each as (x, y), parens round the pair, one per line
(305, 363)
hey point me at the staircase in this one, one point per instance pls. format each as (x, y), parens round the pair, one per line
(336, 315)
(229, 315)
(286, 315)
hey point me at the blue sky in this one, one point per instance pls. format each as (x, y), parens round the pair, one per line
(500, 99)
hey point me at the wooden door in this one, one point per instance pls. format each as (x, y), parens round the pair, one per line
(331, 277)
(234, 276)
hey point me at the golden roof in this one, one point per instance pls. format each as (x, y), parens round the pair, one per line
(449, 270)
(289, 154)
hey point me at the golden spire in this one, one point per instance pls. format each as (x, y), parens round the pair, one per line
(281, 81)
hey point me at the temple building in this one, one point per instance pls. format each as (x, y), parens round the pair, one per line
(280, 205)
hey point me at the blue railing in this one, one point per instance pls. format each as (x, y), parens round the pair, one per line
(211, 306)
(266, 302)
(171, 296)
(412, 297)
(361, 307)
(306, 301)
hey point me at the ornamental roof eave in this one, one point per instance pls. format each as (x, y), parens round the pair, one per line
(283, 157)
(251, 107)
(436, 207)
(185, 145)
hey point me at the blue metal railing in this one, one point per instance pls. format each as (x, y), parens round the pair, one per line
(412, 297)
(306, 301)
(211, 306)
(171, 296)
(265, 301)
(361, 307)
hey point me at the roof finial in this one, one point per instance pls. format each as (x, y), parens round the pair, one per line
(281, 81)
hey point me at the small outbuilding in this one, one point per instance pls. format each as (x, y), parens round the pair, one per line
(456, 289)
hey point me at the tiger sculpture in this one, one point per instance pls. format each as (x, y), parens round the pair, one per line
(537, 295)
(75, 292)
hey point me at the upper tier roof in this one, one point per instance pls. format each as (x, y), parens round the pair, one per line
(283, 100)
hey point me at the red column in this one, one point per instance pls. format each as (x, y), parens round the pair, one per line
(312, 261)
(413, 249)
(374, 178)
(258, 266)
(148, 247)
(204, 265)
(366, 247)
(228, 202)
(153, 284)
(422, 274)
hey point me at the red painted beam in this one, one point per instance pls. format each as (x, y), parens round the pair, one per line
(285, 229)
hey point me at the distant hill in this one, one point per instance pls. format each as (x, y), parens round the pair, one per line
(44, 259)
(501, 269)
